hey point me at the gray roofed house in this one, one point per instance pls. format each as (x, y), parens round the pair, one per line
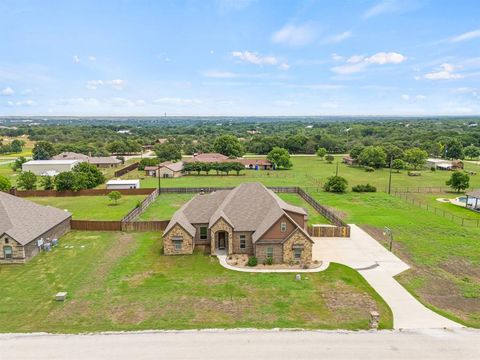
(249, 219)
(99, 161)
(23, 222)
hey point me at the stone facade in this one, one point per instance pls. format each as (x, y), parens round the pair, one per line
(221, 225)
(187, 241)
(18, 254)
(248, 243)
(261, 251)
(297, 239)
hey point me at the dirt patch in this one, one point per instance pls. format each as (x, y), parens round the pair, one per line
(132, 313)
(138, 279)
(341, 214)
(461, 267)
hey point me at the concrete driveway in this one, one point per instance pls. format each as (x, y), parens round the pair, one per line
(378, 266)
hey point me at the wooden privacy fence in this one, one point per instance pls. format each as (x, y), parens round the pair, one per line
(328, 231)
(132, 215)
(86, 192)
(126, 169)
(140, 226)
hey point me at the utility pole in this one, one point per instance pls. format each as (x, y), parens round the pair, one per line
(336, 171)
(390, 176)
(158, 175)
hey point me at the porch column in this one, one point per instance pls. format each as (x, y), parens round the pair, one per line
(230, 242)
(212, 243)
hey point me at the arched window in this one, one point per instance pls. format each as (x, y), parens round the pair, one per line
(7, 252)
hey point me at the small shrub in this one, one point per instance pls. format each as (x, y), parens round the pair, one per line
(139, 203)
(369, 169)
(336, 184)
(269, 261)
(364, 188)
(252, 261)
(433, 168)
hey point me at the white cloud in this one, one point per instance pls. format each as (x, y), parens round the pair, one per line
(465, 36)
(22, 103)
(336, 57)
(219, 74)
(359, 63)
(445, 72)
(405, 97)
(76, 59)
(92, 58)
(257, 59)
(338, 38)
(383, 7)
(116, 84)
(177, 101)
(294, 35)
(8, 91)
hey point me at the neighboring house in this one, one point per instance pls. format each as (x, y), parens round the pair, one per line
(256, 164)
(98, 161)
(168, 169)
(208, 158)
(473, 199)
(348, 160)
(25, 226)
(250, 219)
(49, 167)
(442, 164)
(123, 184)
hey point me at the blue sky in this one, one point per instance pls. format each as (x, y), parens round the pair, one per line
(240, 57)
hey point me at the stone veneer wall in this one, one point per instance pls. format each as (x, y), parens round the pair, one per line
(18, 255)
(169, 246)
(298, 238)
(261, 252)
(221, 225)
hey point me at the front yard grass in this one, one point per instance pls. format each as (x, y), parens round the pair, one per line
(164, 206)
(121, 281)
(92, 207)
(444, 256)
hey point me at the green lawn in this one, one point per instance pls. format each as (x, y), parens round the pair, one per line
(444, 256)
(120, 281)
(313, 216)
(165, 206)
(92, 207)
(310, 171)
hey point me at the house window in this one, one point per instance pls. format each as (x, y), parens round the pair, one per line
(243, 242)
(203, 233)
(283, 226)
(297, 254)
(269, 252)
(6, 241)
(177, 241)
(7, 252)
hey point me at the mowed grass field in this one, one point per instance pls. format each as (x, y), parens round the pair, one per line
(310, 171)
(92, 207)
(444, 256)
(121, 281)
(165, 206)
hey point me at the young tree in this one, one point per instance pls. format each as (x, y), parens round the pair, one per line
(16, 146)
(27, 180)
(398, 164)
(168, 152)
(471, 152)
(415, 157)
(229, 145)
(280, 158)
(114, 196)
(17, 165)
(321, 152)
(329, 158)
(458, 181)
(47, 182)
(5, 184)
(373, 156)
(336, 184)
(43, 150)
(237, 167)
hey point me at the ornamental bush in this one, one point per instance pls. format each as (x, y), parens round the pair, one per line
(252, 261)
(364, 188)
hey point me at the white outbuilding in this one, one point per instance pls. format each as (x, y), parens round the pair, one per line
(49, 167)
(123, 184)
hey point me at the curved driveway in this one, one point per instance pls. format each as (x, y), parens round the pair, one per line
(378, 266)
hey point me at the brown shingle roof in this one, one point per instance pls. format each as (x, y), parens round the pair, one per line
(174, 166)
(248, 207)
(25, 220)
(474, 193)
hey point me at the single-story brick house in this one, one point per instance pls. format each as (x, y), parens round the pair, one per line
(167, 169)
(256, 164)
(25, 225)
(250, 219)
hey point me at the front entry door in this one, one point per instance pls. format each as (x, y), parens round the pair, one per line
(221, 241)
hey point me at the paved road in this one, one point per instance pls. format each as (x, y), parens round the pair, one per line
(237, 344)
(378, 266)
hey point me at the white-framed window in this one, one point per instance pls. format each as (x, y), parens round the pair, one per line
(283, 226)
(7, 252)
(269, 252)
(243, 242)
(297, 253)
(203, 233)
(178, 242)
